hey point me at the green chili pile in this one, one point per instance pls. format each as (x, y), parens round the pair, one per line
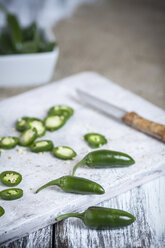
(15, 39)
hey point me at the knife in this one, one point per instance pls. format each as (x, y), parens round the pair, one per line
(132, 119)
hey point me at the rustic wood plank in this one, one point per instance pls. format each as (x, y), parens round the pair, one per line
(40, 239)
(145, 202)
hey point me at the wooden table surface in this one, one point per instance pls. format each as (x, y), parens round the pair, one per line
(145, 202)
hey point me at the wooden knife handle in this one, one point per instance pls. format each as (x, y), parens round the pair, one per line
(150, 127)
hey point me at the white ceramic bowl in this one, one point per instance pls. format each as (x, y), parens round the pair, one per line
(28, 69)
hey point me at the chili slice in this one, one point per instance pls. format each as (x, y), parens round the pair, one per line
(10, 178)
(95, 140)
(61, 110)
(64, 152)
(38, 125)
(41, 146)
(54, 122)
(2, 211)
(27, 137)
(21, 124)
(8, 142)
(11, 194)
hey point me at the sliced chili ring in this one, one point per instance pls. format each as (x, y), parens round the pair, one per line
(61, 110)
(64, 152)
(8, 142)
(41, 146)
(2, 211)
(38, 125)
(95, 140)
(21, 124)
(54, 122)
(10, 178)
(27, 137)
(11, 194)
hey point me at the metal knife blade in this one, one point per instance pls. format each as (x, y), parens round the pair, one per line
(132, 119)
(101, 105)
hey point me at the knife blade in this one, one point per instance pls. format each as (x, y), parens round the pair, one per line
(132, 119)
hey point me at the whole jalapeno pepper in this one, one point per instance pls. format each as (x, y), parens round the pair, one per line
(14, 29)
(105, 159)
(102, 218)
(76, 185)
(10, 178)
(2, 211)
(11, 194)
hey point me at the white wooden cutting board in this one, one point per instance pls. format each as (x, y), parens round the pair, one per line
(34, 211)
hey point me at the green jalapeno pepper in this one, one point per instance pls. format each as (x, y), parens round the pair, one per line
(76, 185)
(30, 32)
(102, 218)
(95, 140)
(38, 125)
(105, 159)
(5, 43)
(2, 211)
(10, 178)
(64, 152)
(15, 31)
(11, 194)
(54, 122)
(61, 110)
(41, 146)
(8, 142)
(27, 137)
(21, 124)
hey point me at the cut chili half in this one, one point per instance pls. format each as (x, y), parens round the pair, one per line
(41, 146)
(11, 194)
(64, 152)
(27, 137)
(61, 110)
(10, 178)
(95, 140)
(21, 124)
(38, 125)
(54, 122)
(2, 211)
(8, 142)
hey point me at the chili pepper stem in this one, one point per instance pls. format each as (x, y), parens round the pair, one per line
(82, 162)
(53, 182)
(64, 216)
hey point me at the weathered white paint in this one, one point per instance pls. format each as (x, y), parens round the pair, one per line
(39, 239)
(148, 231)
(35, 211)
